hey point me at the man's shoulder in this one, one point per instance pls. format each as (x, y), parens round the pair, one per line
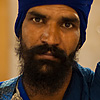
(87, 73)
(1, 83)
(7, 88)
(85, 70)
(8, 82)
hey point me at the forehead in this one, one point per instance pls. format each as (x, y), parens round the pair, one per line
(54, 10)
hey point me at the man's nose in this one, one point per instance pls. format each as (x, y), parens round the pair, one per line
(51, 36)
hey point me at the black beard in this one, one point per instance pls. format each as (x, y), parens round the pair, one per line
(46, 76)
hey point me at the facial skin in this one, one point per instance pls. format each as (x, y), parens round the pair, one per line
(52, 25)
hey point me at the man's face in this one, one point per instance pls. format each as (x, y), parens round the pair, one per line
(50, 35)
(53, 25)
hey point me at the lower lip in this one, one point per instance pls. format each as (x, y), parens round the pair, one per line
(49, 57)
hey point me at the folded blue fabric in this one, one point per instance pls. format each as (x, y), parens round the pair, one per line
(82, 7)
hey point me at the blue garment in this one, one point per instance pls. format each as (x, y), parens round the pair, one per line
(1, 83)
(82, 7)
(21, 90)
(84, 85)
(7, 89)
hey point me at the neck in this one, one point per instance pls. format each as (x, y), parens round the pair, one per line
(58, 95)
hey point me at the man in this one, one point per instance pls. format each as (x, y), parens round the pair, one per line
(49, 35)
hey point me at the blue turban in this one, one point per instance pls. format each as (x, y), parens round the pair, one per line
(82, 7)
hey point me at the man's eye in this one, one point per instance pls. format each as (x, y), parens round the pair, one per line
(67, 25)
(38, 20)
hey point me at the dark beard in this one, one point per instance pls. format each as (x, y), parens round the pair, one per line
(51, 79)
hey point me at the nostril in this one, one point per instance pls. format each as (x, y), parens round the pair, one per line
(44, 42)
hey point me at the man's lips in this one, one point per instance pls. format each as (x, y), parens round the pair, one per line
(47, 55)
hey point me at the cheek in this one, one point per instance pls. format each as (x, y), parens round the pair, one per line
(30, 35)
(70, 42)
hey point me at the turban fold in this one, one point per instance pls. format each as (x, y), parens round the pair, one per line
(82, 7)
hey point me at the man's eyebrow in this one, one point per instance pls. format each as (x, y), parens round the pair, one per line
(70, 19)
(37, 14)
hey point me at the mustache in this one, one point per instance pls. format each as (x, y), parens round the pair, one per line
(43, 49)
